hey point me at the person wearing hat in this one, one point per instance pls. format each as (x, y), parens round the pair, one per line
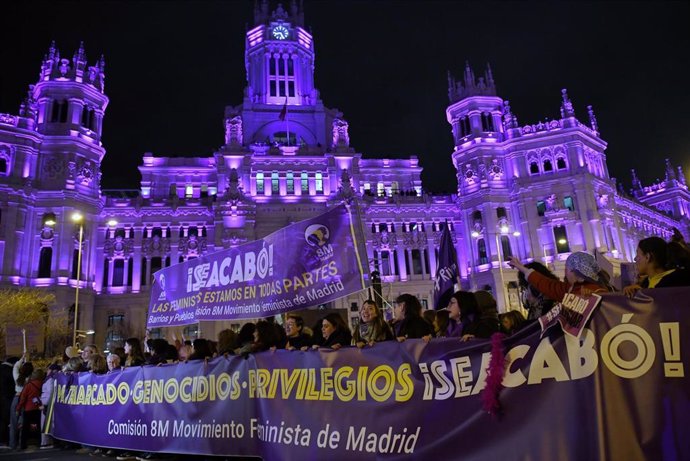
(582, 274)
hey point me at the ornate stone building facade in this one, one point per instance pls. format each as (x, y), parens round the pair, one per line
(537, 191)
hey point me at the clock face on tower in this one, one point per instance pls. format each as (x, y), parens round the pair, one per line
(280, 32)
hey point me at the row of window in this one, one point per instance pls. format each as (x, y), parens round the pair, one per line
(560, 237)
(198, 231)
(204, 191)
(281, 76)
(547, 166)
(567, 204)
(501, 213)
(409, 227)
(416, 263)
(289, 183)
(59, 110)
(466, 127)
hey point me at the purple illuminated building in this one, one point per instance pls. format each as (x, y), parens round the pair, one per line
(537, 191)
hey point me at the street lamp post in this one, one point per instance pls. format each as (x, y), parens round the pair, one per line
(77, 218)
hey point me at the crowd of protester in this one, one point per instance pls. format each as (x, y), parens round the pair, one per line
(25, 391)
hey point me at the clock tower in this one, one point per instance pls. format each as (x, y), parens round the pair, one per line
(281, 105)
(280, 57)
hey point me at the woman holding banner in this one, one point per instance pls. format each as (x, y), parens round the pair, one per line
(408, 319)
(582, 273)
(372, 328)
(336, 333)
(296, 337)
(134, 353)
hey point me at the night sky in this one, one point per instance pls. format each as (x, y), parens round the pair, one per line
(171, 68)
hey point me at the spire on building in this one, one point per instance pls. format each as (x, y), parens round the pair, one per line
(670, 174)
(489, 75)
(469, 76)
(592, 119)
(621, 190)
(637, 185)
(28, 106)
(52, 50)
(451, 86)
(567, 105)
(470, 86)
(293, 14)
(79, 58)
(681, 175)
(53, 67)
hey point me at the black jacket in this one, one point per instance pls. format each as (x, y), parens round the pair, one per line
(413, 327)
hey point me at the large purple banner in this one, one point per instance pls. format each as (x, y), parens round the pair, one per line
(618, 392)
(305, 264)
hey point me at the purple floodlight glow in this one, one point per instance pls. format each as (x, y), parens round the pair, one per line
(304, 38)
(255, 36)
(344, 163)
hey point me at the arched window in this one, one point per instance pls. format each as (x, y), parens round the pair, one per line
(464, 126)
(560, 163)
(59, 112)
(3, 166)
(143, 280)
(45, 260)
(92, 120)
(85, 113)
(533, 168)
(156, 265)
(118, 272)
(75, 262)
(505, 248)
(547, 165)
(130, 271)
(561, 237)
(106, 271)
(64, 105)
(481, 252)
(487, 122)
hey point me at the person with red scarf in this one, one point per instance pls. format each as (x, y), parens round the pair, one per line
(30, 406)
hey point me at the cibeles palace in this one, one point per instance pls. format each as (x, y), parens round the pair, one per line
(536, 191)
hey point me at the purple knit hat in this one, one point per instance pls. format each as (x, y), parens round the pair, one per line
(584, 263)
